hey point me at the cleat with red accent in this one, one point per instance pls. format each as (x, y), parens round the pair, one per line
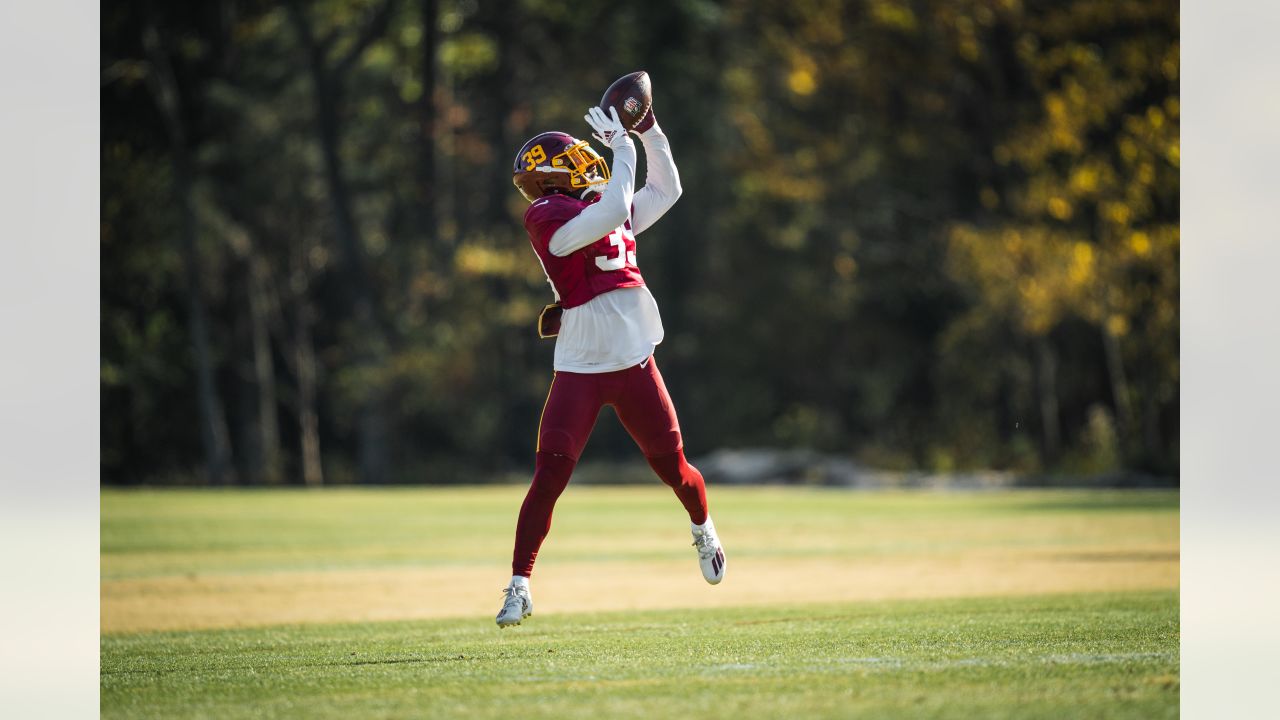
(710, 552)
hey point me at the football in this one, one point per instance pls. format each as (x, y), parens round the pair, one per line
(631, 95)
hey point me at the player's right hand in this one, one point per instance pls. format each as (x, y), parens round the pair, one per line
(608, 128)
(646, 122)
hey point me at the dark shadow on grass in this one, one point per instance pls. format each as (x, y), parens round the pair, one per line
(772, 621)
(341, 663)
(396, 661)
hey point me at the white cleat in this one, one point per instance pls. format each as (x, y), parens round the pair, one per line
(517, 606)
(710, 552)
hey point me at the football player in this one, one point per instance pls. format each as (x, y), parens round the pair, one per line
(582, 222)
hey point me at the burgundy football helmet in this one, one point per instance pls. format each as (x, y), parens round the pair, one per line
(555, 162)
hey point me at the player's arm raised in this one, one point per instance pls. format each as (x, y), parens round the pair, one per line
(614, 207)
(662, 180)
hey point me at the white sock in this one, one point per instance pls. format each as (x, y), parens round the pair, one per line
(707, 525)
(519, 581)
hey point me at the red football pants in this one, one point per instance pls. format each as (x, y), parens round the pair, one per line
(640, 399)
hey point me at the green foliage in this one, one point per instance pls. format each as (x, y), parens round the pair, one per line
(937, 234)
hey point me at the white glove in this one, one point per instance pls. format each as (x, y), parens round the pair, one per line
(608, 130)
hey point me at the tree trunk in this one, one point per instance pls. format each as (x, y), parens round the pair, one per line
(504, 28)
(1151, 435)
(213, 424)
(427, 119)
(269, 466)
(370, 340)
(243, 418)
(308, 420)
(1047, 388)
(301, 358)
(503, 92)
(1119, 385)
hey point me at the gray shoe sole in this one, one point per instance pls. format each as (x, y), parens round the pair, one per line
(506, 625)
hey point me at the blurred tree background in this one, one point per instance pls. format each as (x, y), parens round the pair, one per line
(937, 234)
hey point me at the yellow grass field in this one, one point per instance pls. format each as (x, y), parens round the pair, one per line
(191, 560)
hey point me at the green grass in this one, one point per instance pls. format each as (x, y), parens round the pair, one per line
(1107, 648)
(1093, 656)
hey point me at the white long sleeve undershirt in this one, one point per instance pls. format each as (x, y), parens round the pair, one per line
(620, 202)
(620, 328)
(602, 217)
(661, 183)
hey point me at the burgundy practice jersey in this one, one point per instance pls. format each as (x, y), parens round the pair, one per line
(606, 264)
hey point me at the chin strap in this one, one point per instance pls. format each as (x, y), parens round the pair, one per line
(583, 194)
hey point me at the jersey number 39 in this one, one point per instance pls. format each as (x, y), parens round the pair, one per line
(625, 242)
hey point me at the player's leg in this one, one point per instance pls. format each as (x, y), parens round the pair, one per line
(570, 412)
(573, 403)
(645, 408)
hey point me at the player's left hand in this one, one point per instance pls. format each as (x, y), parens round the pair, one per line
(608, 128)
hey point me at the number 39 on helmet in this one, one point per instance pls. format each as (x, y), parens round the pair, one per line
(555, 162)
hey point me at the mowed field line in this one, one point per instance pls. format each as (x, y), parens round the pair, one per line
(245, 600)
(197, 560)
